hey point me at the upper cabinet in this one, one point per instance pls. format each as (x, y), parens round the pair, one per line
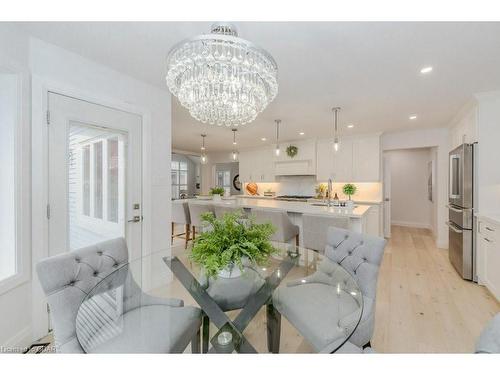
(357, 159)
(304, 163)
(256, 166)
(464, 126)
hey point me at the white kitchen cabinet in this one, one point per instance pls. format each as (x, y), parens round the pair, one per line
(373, 226)
(488, 255)
(357, 159)
(256, 165)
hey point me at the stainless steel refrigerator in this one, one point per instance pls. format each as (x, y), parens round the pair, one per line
(461, 202)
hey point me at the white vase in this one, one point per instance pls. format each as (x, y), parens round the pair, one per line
(349, 204)
(230, 272)
(216, 198)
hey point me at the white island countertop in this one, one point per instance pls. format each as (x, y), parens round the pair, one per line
(293, 207)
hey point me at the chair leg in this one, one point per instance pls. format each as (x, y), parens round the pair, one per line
(273, 329)
(187, 236)
(297, 242)
(206, 333)
(195, 343)
(194, 233)
(172, 239)
(367, 345)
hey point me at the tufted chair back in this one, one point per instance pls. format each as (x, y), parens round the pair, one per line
(66, 280)
(359, 254)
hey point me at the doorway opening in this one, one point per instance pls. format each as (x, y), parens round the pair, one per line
(410, 188)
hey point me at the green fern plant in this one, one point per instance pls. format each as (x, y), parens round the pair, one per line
(232, 237)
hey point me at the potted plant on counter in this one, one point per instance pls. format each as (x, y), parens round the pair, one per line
(232, 241)
(217, 192)
(349, 189)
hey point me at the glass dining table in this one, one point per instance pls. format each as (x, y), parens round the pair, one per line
(239, 310)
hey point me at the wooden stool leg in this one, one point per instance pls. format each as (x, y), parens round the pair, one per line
(194, 233)
(172, 239)
(297, 242)
(187, 236)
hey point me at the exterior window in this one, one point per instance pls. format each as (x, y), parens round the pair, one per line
(179, 178)
(98, 180)
(86, 180)
(113, 180)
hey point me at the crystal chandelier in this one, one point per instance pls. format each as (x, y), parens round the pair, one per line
(220, 78)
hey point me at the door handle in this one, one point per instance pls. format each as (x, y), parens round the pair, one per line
(453, 228)
(135, 219)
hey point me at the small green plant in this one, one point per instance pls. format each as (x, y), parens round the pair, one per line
(292, 151)
(232, 237)
(349, 189)
(218, 190)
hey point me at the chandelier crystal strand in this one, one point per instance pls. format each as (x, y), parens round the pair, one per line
(220, 78)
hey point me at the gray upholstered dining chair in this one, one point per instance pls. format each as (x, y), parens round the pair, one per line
(180, 215)
(68, 278)
(307, 307)
(285, 229)
(195, 211)
(315, 227)
(489, 340)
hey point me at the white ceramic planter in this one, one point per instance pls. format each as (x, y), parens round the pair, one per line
(216, 198)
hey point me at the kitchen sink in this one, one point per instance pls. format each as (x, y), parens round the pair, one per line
(326, 204)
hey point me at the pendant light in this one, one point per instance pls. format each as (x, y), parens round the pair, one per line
(277, 150)
(234, 154)
(335, 111)
(203, 158)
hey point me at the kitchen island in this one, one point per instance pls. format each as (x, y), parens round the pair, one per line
(357, 216)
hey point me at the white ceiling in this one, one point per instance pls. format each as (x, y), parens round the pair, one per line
(371, 70)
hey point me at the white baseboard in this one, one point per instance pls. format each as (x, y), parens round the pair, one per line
(411, 224)
(21, 339)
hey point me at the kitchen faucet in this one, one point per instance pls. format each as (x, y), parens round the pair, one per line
(330, 188)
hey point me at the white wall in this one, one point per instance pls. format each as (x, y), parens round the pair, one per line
(438, 138)
(410, 205)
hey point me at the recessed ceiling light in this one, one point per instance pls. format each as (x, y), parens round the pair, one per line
(426, 69)
(263, 139)
(302, 133)
(350, 126)
(413, 117)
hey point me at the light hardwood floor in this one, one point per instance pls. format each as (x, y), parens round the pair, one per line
(423, 306)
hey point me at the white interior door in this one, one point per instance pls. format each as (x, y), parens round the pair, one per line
(387, 197)
(95, 176)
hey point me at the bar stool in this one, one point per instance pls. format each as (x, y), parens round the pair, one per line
(285, 229)
(315, 228)
(180, 215)
(195, 211)
(221, 210)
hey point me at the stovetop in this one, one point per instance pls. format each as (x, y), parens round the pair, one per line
(297, 198)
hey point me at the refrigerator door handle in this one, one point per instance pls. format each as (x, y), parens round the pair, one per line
(453, 227)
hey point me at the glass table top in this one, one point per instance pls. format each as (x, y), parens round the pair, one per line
(236, 306)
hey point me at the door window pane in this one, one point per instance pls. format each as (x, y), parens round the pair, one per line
(112, 195)
(98, 180)
(86, 180)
